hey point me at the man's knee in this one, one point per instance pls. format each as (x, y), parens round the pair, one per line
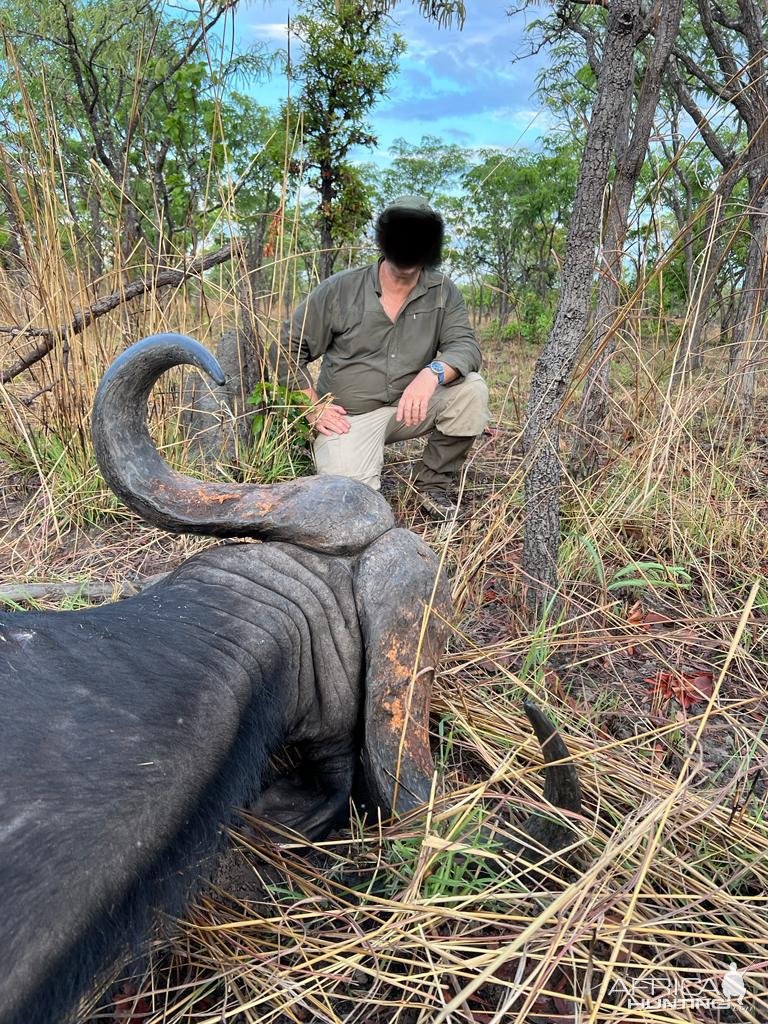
(465, 411)
(339, 456)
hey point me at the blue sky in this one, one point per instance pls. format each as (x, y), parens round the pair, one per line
(459, 85)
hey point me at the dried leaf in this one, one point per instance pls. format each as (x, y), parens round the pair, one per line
(651, 617)
(635, 614)
(683, 687)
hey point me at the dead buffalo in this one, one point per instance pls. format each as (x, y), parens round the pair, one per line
(130, 731)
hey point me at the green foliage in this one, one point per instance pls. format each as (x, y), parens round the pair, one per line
(650, 574)
(281, 433)
(530, 321)
(430, 168)
(470, 868)
(75, 495)
(147, 131)
(567, 84)
(515, 212)
(347, 58)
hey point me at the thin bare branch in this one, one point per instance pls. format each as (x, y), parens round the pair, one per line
(83, 319)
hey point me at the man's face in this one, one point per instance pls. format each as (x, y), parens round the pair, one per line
(409, 240)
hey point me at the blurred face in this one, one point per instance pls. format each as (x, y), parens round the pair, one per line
(409, 239)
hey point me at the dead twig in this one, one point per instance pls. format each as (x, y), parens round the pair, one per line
(57, 591)
(84, 318)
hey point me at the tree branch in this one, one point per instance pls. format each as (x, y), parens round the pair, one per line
(58, 591)
(723, 91)
(190, 48)
(90, 101)
(711, 139)
(727, 61)
(83, 319)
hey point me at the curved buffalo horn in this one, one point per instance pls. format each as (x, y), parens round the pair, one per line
(561, 788)
(329, 514)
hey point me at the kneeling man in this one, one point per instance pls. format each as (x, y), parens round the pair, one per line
(399, 359)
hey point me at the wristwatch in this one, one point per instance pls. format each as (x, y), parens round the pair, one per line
(438, 369)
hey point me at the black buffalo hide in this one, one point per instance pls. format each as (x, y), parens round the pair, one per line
(132, 730)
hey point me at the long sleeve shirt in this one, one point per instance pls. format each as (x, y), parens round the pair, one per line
(368, 360)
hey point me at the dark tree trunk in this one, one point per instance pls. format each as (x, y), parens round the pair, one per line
(554, 366)
(630, 154)
(256, 289)
(131, 232)
(327, 241)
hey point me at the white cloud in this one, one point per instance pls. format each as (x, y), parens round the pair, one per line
(274, 30)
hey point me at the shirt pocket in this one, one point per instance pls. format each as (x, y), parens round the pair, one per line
(423, 328)
(430, 314)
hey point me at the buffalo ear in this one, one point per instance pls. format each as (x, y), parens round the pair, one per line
(396, 579)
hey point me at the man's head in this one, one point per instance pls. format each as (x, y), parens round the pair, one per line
(410, 234)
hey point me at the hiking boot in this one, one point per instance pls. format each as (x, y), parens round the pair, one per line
(438, 502)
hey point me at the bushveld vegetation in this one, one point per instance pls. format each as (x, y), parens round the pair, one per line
(143, 189)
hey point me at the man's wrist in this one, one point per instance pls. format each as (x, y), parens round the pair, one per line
(437, 369)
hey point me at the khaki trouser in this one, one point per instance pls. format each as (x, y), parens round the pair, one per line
(456, 413)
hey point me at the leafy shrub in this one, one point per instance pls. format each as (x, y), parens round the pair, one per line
(281, 433)
(531, 323)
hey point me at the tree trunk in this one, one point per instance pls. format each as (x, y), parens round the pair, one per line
(554, 366)
(503, 303)
(629, 162)
(593, 412)
(131, 232)
(750, 329)
(327, 242)
(95, 253)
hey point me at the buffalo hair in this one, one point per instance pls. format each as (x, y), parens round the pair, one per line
(175, 875)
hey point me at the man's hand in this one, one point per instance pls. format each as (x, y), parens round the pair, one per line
(329, 420)
(412, 407)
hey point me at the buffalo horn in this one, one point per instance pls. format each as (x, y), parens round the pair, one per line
(329, 514)
(561, 788)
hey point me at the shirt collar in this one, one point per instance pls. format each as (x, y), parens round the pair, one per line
(427, 278)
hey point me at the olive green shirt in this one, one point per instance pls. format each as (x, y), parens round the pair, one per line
(368, 361)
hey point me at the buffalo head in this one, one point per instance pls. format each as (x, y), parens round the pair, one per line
(131, 731)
